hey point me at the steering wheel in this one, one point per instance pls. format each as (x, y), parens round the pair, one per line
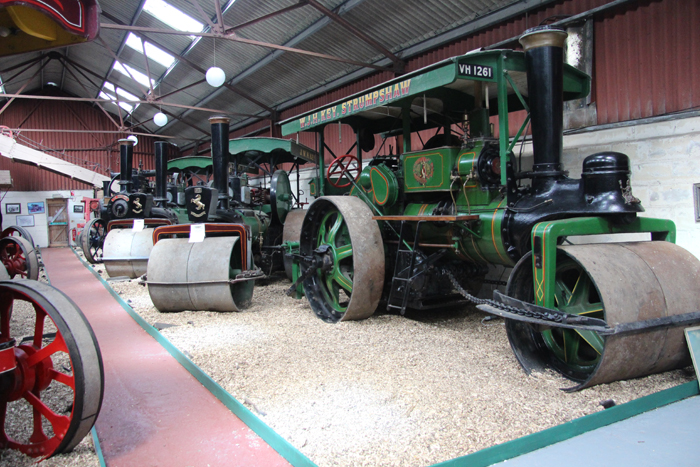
(343, 167)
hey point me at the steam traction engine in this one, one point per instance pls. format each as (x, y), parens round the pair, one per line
(241, 227)
(124, 229)
(423, 225)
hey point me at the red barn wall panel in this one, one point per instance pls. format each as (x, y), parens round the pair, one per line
(647, 60)
(91, 149)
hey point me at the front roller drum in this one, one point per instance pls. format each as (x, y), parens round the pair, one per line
(126, 252)
(197, 276)
(620, 283)
(51, 374)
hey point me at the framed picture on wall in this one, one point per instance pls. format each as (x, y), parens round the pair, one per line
(78, 208)
(13, 208)
(35, 208)
(25, 221)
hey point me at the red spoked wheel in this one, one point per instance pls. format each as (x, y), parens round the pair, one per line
(17, 231)
(51, 375)
(344, 167)
(19, 258)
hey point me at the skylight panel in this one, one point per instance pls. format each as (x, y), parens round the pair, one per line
(2, 86)
(109, 86)
(153, 52)
(126, 106)
(138, 76)
(171, 16)
(104, 95)
(127, 95)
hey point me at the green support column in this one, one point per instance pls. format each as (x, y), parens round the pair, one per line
(545, 236)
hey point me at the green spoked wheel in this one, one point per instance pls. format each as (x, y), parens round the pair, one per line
(339, 232)
(620, 283)
(576, 351)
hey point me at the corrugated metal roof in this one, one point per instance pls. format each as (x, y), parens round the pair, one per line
(268, 77)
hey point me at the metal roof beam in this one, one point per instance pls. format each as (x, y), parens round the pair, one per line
(194, 66)
(398, 63)
(242, 40)
(314, 28)
(264, 17)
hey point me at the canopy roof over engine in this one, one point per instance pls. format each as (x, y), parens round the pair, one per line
(444, 88)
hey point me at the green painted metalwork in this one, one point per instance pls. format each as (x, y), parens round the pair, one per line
(385, 187)
(575, 293)
(400, 92)
(545, 236)
(190, 163)
(333, 231)
(283, 150)
(428, 170)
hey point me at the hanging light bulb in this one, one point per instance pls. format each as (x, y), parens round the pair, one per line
(160, 119)
(215, 76)
(134, 139)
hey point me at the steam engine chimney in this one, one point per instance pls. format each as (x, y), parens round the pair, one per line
(219, 155)
(544, 63)
(126, 156)
(161, 173)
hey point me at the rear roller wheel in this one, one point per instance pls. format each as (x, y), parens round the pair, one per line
(51, 375)
(19, 258)
(620, 283)
(92, 240)
(17, 231)
(340, 232)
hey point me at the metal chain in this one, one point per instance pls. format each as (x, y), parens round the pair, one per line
(557, 318)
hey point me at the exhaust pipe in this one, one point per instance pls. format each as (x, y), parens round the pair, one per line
(161, 154)
(544, 64)
(219, 156)
(126, 156)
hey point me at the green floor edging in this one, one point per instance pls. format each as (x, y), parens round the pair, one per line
(535, 441)
(270, 436)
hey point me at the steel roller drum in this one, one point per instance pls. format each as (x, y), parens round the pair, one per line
(195, 276)
(634, 282)
(126, 251)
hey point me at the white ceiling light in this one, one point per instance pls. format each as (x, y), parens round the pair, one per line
(215, 76)
(160, 119)
(134, 139)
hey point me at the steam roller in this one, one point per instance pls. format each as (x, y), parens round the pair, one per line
(235, 231)
(128, 217)
(419, 229)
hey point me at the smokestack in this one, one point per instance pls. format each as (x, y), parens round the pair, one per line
(126, 156)
(544, 63)
(161, 173)
(219, 156)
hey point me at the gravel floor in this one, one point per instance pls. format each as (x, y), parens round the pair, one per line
(386, 391)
